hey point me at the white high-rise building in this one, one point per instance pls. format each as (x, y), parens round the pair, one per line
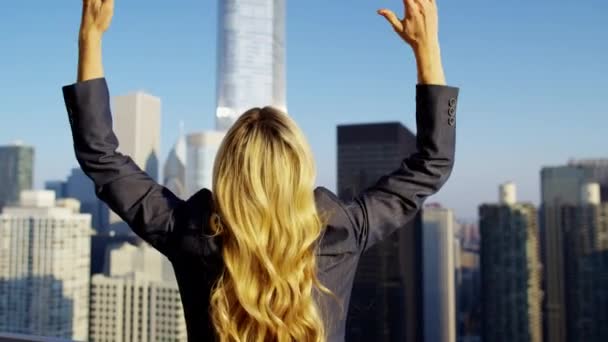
(251, 58)
(137, 121)
(202, 149)
(250, 73)
(144, 259)
(45, 247)
(174, 172)
(138, 300)
(439, 286)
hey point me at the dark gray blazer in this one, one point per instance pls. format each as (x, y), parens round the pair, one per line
(179, 229)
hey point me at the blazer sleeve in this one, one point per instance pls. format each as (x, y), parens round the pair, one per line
(150, 209)
(396, 197)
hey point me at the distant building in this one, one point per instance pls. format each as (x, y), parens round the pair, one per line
(468, 295)
(137, 124)
(16, 172)
(597, 170)
(251, 58)
(202, 150)
(44, 267)
(386, 302)
(560, 186)
(103, 244)
(128, 258)
(81, 187)
(58, 186)
(174, 172)
(585, 231)
(138, 300)
(439, 268)
(510, 270)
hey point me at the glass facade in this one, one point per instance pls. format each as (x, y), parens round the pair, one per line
(386, 300)
(251, 58)
(510, 273)
(585, 230)
(16, 172)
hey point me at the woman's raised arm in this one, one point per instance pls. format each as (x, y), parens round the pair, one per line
(396, 198)
(150, 209)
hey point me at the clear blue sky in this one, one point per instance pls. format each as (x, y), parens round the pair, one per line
(532, 77)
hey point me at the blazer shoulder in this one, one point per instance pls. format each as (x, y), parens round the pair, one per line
(339, 235)
(195, 237)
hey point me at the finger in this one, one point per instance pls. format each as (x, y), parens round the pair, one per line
(109, 3)
(392, 19)
(424, 4)
(410, 7)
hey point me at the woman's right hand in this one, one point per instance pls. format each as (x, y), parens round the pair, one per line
(420, 29)
(96, 17)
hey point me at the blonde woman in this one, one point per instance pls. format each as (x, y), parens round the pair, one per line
(266, 255)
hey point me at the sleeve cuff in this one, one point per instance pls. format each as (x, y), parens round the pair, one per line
(436, 105)
(76, 89)
(87, 105)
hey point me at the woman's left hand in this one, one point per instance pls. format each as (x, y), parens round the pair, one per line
(96, 17)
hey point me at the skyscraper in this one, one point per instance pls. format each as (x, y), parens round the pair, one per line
(250, 73)
(58, 186)
(597, 170)
(137, 126)
(510, 270)
(202, 149)
(16, 171)
(137, 121)
(468, 303)
(44, 267)
(174, 172)
(251, 58)
(128, 258)
(585, 230)
(137, 300)
(438, 285)
(386, 300)
(560, 186)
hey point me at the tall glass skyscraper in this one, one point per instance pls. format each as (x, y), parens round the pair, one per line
(16, 171)
(251, 58)
(386, 301)
(511, 292)
(438, 274)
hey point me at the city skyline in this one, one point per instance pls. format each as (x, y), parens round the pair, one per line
(526, 263)
(517, 113)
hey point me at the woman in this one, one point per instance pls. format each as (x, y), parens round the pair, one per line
(266, 256)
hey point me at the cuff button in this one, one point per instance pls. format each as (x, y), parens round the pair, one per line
(452, 102)
(452, 111)
(451, 121)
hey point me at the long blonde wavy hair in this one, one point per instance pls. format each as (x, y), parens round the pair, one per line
(263, 191)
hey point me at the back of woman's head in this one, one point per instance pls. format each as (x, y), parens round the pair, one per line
(263, 182)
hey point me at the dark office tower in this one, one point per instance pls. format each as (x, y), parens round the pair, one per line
(16, 172)
(510, 271)
(585, 230)
(59, 187)
(386, 303)
(559, 186)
